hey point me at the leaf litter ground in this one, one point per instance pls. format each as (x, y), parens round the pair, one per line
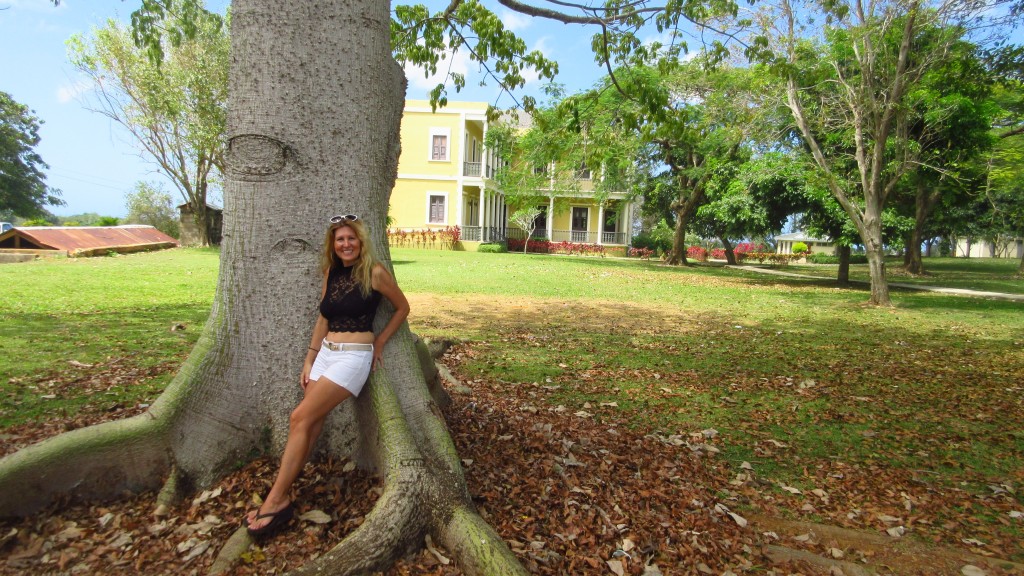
(571, 481)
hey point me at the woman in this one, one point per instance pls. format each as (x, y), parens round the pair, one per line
(341, 354)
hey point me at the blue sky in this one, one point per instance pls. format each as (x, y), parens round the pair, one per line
(93, 162)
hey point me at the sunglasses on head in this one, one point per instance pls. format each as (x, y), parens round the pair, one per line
(343, 217)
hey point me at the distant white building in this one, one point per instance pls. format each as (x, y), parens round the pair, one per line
(1000, 248)
(784, 244)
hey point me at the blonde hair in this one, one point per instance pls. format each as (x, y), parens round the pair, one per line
(362, 272)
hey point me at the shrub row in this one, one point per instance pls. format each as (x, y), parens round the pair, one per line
(492, 248)
(641, 253)
(829, 259)
(549, 247)
(443, 238)
(769, 257)
(741, 248)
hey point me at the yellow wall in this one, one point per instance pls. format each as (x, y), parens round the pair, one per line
(418, 125)
(409, 202)
(418, 174)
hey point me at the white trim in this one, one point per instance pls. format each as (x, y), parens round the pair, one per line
(439, 131)
(431, 194)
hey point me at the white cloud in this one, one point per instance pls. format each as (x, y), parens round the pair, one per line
(72, 90)
(458, 63)
(514, 21)
(529, 74)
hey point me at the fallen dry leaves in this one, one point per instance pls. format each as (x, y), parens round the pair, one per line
(570, 494)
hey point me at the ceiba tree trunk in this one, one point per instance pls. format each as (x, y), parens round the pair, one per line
(314, 115)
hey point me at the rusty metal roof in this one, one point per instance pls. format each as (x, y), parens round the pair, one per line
(75, 238)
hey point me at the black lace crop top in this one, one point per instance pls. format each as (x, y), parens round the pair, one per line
(344, 306)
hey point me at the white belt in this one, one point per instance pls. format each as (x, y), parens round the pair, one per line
(343, 346)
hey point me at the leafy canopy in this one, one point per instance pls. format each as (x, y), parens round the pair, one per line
(23, 189)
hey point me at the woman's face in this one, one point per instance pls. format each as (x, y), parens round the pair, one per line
(346, 245)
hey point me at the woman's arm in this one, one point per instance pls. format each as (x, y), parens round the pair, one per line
(384, 283)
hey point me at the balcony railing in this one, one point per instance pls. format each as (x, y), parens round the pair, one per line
(579, 236)
(483, 233)
(471, 169)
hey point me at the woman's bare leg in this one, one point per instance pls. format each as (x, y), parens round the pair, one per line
(321, 397)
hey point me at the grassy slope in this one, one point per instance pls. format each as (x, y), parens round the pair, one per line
(796, 375)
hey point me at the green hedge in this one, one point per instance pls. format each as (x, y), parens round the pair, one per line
(829, 259)
(493, 248)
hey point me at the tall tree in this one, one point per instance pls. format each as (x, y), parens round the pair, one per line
(951, 116)
(700, 132)
(752, 199)
(855, 82)
(23, 189)
(313, 130)
(174, 109)
(150, 204)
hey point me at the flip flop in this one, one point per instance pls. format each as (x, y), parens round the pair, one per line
(278, 520)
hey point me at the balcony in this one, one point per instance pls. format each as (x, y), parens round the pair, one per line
(471, 169)
(578, 236)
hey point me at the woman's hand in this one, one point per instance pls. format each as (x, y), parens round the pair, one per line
(307, 367)
(378, 355)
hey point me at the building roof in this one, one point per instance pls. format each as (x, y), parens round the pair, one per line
(76, 238)
(800, 237)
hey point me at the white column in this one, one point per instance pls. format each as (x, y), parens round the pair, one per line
(479, 208)
(600, 223)
(551, 217)
(494, 210)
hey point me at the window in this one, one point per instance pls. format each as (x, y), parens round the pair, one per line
(540, 169)
(440, 139)
(540, 224)
(582, 172)
(437, 212)
(580, 215)
(439, 147)
(610, 220)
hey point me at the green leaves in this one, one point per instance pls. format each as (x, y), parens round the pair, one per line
(23, 189)
(421, 38)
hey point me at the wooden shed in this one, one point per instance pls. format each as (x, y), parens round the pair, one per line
(84, 240)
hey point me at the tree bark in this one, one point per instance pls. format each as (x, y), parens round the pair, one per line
(730, 254)
(924, 202)
(843, 276)
(871, 232)
(684, 208)
(314, 114)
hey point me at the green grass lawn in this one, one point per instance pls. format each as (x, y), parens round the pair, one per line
(987, 274)
(930, 386)
(66, 320)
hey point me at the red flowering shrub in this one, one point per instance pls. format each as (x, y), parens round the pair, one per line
(641, 253)
(443, 238)
(698, 253)
(549, 247)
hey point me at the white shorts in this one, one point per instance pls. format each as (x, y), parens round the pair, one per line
(346, 368)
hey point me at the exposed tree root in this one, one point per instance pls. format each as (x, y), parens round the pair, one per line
(97, 462)
(106, 460)
(478, 549)
(232, 550)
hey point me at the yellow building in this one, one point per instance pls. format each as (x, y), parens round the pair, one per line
(444, 179)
